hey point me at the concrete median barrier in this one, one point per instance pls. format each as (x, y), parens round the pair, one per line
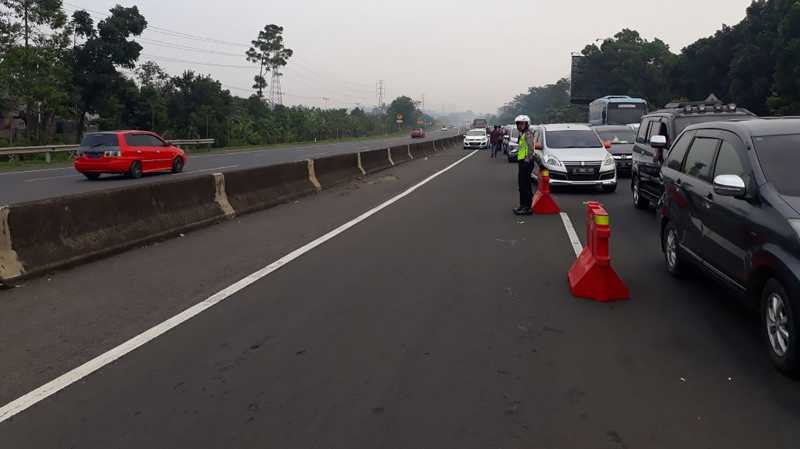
(419, 150)
(400, 154)
(375, 160)
(262, 187)
(333, 170)
(39, 236)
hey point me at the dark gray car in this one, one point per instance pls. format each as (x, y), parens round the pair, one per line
(619, 140)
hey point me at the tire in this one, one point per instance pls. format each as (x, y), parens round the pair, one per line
(135, 170)
(672, 251)
(639, 202)
(779, 314)
(610, 189)
(177, 165)
(92, 176)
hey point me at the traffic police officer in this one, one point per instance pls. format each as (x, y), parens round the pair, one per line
(525, 158)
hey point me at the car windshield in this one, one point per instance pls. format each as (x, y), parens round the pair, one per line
(779, 157)
(625, 113)
(617, 135)
(99, 140)
(573, 139)
(477, 133)
(682, 122)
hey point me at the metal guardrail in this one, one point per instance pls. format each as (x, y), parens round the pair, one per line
(48, 150)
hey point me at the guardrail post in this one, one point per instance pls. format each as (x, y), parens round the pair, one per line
(47, 157)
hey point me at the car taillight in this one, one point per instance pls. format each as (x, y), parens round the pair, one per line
(112, 153)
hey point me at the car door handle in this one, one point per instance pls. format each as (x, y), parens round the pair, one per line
(710, 196)
(678, 181)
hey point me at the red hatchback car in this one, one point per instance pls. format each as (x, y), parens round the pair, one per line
(127, 152)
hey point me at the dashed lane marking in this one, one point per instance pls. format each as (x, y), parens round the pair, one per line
(28, 400)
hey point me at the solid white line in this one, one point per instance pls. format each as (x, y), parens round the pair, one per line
(51, 177)
(189, 172)
(573, 236)
(41, 170)
(21, 404)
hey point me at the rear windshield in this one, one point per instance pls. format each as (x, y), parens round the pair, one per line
(618, 135)
(682, 122)
(625, 113)
(573, 139)
(99, 140)
(477, 133)
(779, 157)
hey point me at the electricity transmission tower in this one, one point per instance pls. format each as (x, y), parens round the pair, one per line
(275, 90)
(381, 92)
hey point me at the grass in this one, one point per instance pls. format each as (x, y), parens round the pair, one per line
(63, 159)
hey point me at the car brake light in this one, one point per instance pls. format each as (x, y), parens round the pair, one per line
(112, 153)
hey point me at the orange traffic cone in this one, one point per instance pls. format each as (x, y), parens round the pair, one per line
(543, 202)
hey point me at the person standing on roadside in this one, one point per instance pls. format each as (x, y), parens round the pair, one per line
(525, 164)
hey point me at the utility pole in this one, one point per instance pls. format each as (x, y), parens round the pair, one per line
(381, 92)
(325, 101)
(423, 101)
(275, 90)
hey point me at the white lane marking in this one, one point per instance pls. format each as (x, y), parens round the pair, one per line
(573, 236)
(48, 178)
(27, 172)
(224, 167)
(24, 402)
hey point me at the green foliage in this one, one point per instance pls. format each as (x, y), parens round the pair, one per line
(404, 106)
(545, 104)
(753, 64)
(269, 52)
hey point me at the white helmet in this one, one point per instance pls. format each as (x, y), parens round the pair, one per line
(522, 118)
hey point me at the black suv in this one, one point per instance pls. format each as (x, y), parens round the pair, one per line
(732, 207)
(646, 184)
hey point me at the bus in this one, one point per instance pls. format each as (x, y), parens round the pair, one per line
(616, 110)
(480, 123)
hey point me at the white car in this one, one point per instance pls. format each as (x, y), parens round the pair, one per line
(575, 156)
(444, 128)
(511, 142)
(476, 139)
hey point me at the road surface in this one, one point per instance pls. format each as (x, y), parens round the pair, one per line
(437, 321)
(28, 185)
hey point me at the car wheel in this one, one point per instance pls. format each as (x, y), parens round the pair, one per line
(177, 165)
(92, 176)
(639, 202)
(779, 325)
(672, 253)
(135, 171)
(610, 189)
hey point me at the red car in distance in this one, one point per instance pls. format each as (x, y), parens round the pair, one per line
(132, 153)
(418, 134)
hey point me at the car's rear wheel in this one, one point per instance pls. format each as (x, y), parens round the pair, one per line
(672, 252)
(639, 201)
(778, 318)
(92, 176)
(135, 170)
(177, 165)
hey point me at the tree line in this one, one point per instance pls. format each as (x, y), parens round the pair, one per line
(59, 72)
(753, 64)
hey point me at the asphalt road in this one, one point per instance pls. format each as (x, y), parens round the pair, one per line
(441, 321)
(29, 185)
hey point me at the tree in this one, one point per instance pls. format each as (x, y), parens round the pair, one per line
(544, 104)
(95, 62)
(269, 52)
(35, 13)
(154, 84)
(406, 108)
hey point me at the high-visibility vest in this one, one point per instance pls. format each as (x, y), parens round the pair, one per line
(522, 151)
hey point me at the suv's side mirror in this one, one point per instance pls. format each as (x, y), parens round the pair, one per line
(538, 146)
(730, 185)
(659, 142)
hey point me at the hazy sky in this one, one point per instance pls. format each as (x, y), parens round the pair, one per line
(461, 54)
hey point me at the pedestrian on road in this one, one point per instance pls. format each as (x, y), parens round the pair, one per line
(525, 164)
(496, 139)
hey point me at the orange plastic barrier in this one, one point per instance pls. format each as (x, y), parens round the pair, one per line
(591, 276)
(543, 202)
